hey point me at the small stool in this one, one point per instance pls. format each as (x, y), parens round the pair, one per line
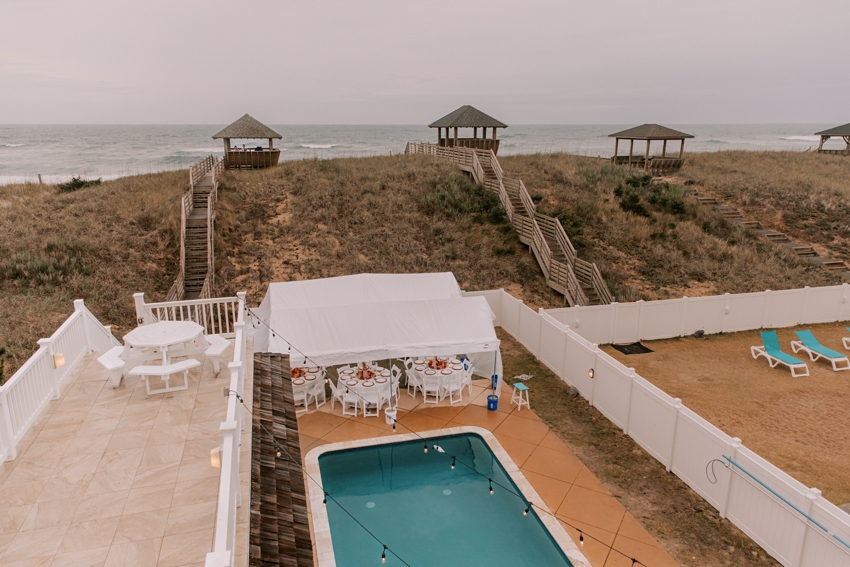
(517, 396)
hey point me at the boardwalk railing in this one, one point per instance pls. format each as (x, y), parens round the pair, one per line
(28, 391)
(791, 521)
(579, 281)
(229, 491)
(217, 315)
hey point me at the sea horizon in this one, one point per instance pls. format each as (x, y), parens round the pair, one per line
(58, 152)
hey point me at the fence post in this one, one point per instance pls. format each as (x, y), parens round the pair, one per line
(228, 430)
(632, 377)
(539, 333)
(677, 405)
(733, 450)
(615, 305)
(725, 313)
(640, 320)
(79, 307)
(811, 496)
(141, 310)
(6, 429)
(682, 318)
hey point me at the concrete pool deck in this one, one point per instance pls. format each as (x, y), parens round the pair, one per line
(564, 484)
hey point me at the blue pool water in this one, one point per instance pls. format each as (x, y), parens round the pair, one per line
(429, 514)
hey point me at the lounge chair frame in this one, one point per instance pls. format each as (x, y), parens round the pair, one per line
(798, 369)
(812, 349)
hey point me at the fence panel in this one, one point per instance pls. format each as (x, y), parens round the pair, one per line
(744, 311)
(529, 329)
(652, 419)
(510, 314)
(611, 389)
(784, 308)
(579, 358)
(821, 549)
(552, 344)
(704, 313)
(494, 300)
(696, 443)
(823, 302)
(765, 518)
(661, 319)
(626, 328)
(595, 322)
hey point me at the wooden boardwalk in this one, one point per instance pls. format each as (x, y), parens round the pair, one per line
(578, 280)
(197, 258)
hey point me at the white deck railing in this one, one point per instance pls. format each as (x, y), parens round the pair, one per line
(30, 389)
(217, 315)
(788, 519)
(229, 492)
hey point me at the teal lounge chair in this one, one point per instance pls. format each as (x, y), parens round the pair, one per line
(775, 356)
(811, 346)
(846, 341)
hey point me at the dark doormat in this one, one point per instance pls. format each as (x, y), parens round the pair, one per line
(634, 348)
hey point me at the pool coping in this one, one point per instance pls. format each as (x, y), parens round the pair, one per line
(319, 516)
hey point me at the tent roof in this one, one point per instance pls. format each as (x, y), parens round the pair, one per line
(361, 288)
(837, 131)
(373, 317)
(651, 132)
(467, 117)
(247, 127)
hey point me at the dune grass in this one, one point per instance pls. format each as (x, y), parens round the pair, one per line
(651, 239)
(100, 243)
(803, 194)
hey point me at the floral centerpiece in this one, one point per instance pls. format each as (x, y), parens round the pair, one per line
(364, 372)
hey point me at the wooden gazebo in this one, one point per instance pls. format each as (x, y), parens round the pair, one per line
(656, 165)
(468, 117)
(248, 128)
(837, 132)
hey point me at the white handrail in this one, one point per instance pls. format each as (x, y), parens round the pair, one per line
(30, 389)
(217, 315)
(229, 491)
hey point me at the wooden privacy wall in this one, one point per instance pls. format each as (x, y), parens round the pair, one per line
(280, 530)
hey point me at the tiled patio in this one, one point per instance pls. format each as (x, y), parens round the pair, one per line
(114, 477)
(563, 482)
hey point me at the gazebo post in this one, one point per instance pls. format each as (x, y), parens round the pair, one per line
(226, 146)
(616, 145)
(822, 140)
(439, 136)
(271, 144)
(455, 143)
(847, 143)
(682, 149)
(494, 132)
(474, 132)
(664, 149)
(631, 150)
(484, 133)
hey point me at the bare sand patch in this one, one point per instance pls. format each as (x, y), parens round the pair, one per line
(801, 425)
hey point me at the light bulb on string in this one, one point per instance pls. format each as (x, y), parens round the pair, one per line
(278, 453)
(491, 485)
(527, 509)
(325, 499)
(580, 538)
(425, 447)
(384, 555)
(453, 463)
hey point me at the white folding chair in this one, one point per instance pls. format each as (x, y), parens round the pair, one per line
(372, 401)
(467, 378)
(349, 400)
(396, 380)
(301, 396)
(453, 388)
(414, 380)
(432, 386)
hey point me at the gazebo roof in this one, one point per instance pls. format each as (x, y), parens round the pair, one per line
(247, 127)
(651, 132)
(467, 117)
(837, 131)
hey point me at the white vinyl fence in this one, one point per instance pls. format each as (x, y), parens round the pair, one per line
(28, 391)
(650, 320)
(229, 493)
(789, 520)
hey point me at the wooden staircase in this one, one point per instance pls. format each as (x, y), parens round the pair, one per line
(578, 280)
(780, 238)
(197, 266)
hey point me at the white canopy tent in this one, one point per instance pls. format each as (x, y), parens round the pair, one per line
(370, 317)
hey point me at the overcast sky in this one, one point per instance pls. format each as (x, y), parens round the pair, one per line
(405, 62)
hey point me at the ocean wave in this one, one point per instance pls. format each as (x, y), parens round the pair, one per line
(13, 145)
(318, 146)
(800, 138)
(217, 149)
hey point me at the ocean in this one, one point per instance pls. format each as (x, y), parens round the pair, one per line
(58, 152)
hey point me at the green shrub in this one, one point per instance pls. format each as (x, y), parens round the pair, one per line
(78, 183)
(50, 266)
(456, 197)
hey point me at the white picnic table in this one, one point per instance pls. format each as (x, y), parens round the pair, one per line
(165, 335)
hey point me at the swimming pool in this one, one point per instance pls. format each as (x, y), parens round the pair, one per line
(427, 512)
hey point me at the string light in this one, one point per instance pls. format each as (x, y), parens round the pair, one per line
(384, 555)
(591, 373)
(325, 499)
(527, 509)
(278, 453)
